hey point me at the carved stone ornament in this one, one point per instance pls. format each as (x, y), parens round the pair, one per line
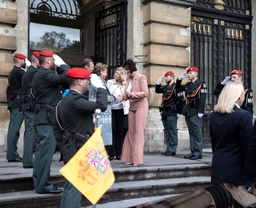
(219, 4)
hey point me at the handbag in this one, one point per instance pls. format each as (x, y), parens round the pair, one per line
(241, 195)
(126, 106)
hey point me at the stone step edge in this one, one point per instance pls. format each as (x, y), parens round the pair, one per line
(126, 170)
(131, 202)
(173, 182)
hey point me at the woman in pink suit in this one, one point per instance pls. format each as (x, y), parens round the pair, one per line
(136, 90)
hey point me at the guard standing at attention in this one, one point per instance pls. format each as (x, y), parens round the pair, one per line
(28, 102)
(75, 114)
(46, 88)
(237, 75)
(14, 93)
(195, 92)
(170, 109)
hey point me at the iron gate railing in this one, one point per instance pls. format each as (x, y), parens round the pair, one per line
(111, 37)
(220, 43)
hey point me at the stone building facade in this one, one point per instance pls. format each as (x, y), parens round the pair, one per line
(158, 39)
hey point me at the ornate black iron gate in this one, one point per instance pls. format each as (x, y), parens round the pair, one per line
(111, 36)
(220, 43)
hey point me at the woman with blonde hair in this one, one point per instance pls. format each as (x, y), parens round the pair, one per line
(120, 110)
(227, 99)
(230, 131)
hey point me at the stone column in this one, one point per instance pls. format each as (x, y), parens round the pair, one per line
(158, 40)
(13, 38)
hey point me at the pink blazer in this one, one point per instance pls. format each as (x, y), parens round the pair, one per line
(139, 92)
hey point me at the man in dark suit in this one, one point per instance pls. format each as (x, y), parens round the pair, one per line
(14, 93)
(89, 66)
(195, 92)
(46, 88)
(76, 117)
(237, 75)
(28, 101)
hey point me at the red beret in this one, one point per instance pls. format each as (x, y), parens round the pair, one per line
(46, 53)
(36, 54)
(78, 73)
(239, 72)
(168, 73)
(192, 68)
(19, 55)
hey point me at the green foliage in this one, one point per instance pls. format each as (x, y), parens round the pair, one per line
(74, 47)
(57, 42)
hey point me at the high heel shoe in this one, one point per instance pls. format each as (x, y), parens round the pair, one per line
(135, 164)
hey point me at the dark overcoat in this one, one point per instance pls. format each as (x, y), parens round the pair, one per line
(76, 113)
(15, 87)
(26, 88)
(47, 90)
(250, 161)
(230, 134)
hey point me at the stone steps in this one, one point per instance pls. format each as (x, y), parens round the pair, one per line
(130, 183)
(121, 174)
(120, 190)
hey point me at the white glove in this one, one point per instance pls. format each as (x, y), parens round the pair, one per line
(200, 115)
(178, 115)
(27, 62)
(183, 75)
(160, 81)
(226, 80)
(96, 81)
(58, 60)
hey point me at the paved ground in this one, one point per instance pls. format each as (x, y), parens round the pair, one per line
(16, 170)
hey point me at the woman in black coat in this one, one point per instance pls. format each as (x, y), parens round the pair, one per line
(250, 162)
(230, 131)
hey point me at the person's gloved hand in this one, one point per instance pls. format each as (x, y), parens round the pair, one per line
(200, 115)
(160, 81)
(58, 60)
(178, 115)
(96, 81)
(226, 80)
(183, 75)
(27, 62)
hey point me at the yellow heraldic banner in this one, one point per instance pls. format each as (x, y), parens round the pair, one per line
(89, 170)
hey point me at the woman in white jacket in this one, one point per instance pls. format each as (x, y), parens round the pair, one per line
(119, 110)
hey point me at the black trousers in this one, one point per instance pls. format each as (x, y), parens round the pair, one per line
(119, 129)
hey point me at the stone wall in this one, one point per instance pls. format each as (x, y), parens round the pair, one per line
(13, 38)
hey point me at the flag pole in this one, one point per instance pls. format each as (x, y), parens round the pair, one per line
(97, 113)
